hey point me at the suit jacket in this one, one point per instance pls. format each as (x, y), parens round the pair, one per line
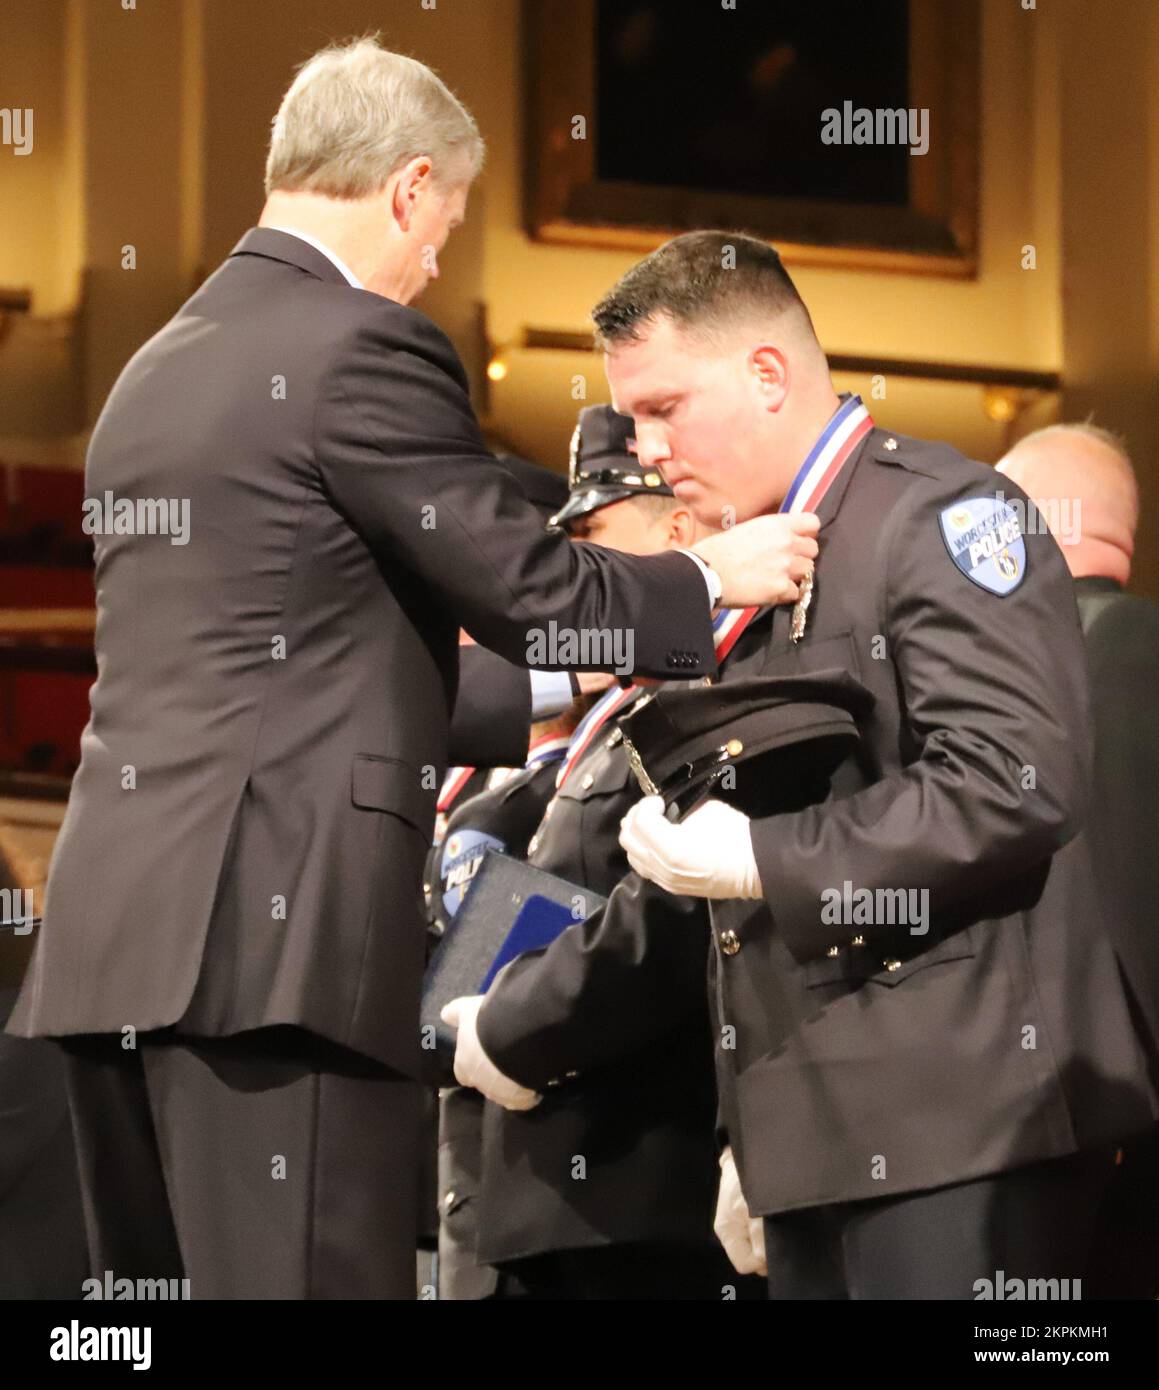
(244, 841)
(1122, 641)
(619, 1045)
(872, 1059)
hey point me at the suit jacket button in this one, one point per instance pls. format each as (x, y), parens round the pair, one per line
(892, 965)
(729, 943)
(586, 781)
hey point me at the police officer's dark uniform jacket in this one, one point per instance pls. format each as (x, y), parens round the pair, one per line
(870, 1061)
(636, 1099)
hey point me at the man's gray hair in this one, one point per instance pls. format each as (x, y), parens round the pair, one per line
(357, 112)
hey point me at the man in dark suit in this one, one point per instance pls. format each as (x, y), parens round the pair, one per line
(1083, 487)
(294, 514)
(925, 1056)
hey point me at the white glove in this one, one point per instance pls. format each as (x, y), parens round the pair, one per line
(708, 855)
(742, 1235)
(472, 1065)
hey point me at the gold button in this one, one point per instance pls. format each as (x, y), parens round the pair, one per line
(734, 748)
(858, 941)
(833, 951)
(571, 1075)
(892, 965)
(554, 1081)
(587, 781)
(729, 943)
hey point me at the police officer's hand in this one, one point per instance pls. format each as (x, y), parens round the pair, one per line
(472, 1065)
(708, 855)
(762, 561)
(742, 1235)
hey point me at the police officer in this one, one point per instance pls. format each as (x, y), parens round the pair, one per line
(932, 1057)
(604, 1188)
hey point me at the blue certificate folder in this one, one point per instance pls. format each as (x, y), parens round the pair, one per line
(510, 909)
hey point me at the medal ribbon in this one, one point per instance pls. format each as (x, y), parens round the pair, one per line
(453, 783)
(609, 703)
(547, 749)
(847, 427)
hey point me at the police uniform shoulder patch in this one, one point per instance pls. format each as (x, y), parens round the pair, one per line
(984, 538)
(463, 852)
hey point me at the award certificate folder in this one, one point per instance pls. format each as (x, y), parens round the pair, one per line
(511, 908)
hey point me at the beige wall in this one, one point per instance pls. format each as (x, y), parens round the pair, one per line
(160, 119)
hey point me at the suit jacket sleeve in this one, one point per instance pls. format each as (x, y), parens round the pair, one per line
(491, 723)
(401, 457)
(993, 707)
(602, 989)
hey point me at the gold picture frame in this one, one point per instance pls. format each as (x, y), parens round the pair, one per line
(935, 233)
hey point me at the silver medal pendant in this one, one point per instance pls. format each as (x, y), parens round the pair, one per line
(801, 608)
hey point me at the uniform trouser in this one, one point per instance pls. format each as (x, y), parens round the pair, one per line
(629, 1272)
(1034, 1222)
(269, 1164)
(1124, 1260)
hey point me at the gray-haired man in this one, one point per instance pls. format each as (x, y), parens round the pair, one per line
(233, 938)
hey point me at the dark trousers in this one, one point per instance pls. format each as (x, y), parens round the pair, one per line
(1034, 1222)
(1124, 1259)
(270, 1164)
(629, 1273)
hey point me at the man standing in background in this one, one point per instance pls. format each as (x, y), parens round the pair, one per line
(1080, 479)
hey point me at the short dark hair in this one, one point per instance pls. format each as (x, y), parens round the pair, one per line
(703, 281)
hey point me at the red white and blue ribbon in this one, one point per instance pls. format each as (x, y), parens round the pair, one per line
(847, 427)
(610, 702)
(453, 783)
(547, 749)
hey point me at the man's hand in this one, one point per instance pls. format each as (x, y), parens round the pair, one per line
(472, 1065)
(708, 855)
(742, 1235)
(762, 561)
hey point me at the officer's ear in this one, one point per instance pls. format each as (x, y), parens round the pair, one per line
(770, 373)
(681, 527)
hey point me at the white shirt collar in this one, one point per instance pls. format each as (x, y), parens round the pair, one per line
(325, 250)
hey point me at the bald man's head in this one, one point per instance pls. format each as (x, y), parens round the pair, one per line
(1083, 476)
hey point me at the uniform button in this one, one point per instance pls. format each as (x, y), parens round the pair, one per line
(729, 943)
(858, 941)
(587, 781)
(449, 1200)
(892, 965)
(554, 1081)
(614, 737)
(571, 1075)
(833, 951)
